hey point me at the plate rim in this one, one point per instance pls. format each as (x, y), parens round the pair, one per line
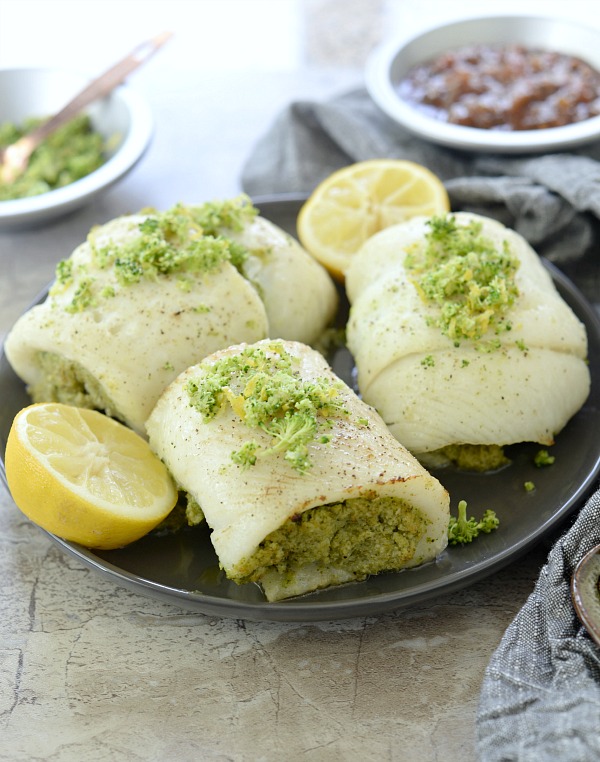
(302, 608)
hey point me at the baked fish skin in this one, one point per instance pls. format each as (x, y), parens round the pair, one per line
(363, 505)
(299, 296)
(522, 380)
(133, 343)
(111, 337)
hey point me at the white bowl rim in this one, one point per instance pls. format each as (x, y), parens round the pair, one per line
(380, 87)
(128, 154)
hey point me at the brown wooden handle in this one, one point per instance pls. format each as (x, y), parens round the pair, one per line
(101, 86)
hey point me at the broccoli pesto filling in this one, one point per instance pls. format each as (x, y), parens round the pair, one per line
(68, 154)
(361, 536)
(66, 381)
(475, 457)
(186, 513)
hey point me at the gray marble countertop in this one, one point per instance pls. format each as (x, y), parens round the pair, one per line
(91, 672)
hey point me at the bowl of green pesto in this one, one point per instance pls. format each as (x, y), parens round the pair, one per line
(78, 161)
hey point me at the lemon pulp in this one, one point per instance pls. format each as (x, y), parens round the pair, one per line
(357, 201)
(85, 477)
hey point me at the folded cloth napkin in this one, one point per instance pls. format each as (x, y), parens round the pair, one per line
(547, 199)
(540, 698)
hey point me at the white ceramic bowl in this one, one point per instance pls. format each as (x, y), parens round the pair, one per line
(39, 92)
(389, 63)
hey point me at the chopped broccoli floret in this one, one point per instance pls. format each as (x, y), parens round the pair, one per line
(246, 455)
(543, 458)
(462, 530)
(293, 433)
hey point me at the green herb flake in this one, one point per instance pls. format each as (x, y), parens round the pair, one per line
(246, 455)
(83, 297)
(64, 272)
(521, 345)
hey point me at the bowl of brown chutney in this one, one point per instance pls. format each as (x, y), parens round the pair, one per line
(501, 84)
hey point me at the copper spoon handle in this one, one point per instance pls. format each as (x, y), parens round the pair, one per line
(13, 159)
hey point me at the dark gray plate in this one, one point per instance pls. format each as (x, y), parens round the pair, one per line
(183, 569)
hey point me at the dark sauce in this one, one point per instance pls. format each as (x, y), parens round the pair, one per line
(504, 88)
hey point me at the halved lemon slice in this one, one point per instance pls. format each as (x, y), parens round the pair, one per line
(85, 477)
(357, 201)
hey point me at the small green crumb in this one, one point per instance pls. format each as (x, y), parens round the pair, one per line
(543, 458)
(529, 486)
(521, 345)
(246, 455)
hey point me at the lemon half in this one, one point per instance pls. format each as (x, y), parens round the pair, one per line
(85, 477)
(357, 201)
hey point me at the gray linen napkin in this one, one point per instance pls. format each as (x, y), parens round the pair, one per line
(540, 698)
(547, 199)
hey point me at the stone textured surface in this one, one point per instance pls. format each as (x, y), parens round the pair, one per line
(90, 671)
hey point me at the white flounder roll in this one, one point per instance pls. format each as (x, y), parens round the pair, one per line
(299, 480)
(148, 295)
(461, 338)
(299, 296)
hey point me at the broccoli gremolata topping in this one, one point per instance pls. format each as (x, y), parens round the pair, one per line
(83, 297)
(462, 530)
(466, 276)
(182, 240)
(264, 389)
